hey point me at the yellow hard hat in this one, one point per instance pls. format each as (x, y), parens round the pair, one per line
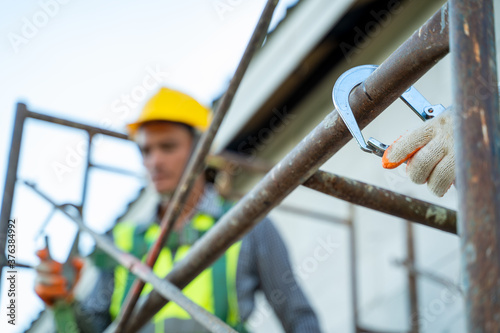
(172, 105)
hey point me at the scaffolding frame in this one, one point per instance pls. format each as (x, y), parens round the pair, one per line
(303, 161)
(470, 34)
(22, 114)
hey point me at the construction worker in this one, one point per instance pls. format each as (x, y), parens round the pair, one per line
(430, 153)
(165, 132)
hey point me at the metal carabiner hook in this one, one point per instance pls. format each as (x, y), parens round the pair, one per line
(354, 77)
(340, 95)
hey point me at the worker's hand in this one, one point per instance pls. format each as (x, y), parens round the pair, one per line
(50, 284)
(430, 154)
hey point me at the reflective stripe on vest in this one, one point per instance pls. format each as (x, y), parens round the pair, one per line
(221, 276)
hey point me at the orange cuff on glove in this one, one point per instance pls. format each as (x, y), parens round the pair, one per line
(387, 164)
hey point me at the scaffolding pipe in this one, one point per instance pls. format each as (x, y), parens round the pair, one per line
(477, 147)
(196, 163)
(135, 266)
(375, 198)
(22, 113)
(10, 179)
(353, 265)
(89, 129)
(406, 65)
(412, 279)
(384, 201)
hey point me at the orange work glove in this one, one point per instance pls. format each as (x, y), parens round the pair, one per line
(50, 283)
(430, 154)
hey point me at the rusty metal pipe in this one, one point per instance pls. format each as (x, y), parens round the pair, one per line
(135, 266)
(376, 198)
(384, 201)
(404, 67)
(477, 147)
(301, 163)
(197, 161)
(412, 279)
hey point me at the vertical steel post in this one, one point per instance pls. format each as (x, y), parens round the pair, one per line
(86, 174)
(10, 178)
(477, 143)
(353, 268)
(412, 278)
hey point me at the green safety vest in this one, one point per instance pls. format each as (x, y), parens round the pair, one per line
(214, 289)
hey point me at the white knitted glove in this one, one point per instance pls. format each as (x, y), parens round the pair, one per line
(430, 154)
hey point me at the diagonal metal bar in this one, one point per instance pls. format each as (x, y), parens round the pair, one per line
(406, 65)
(196, 163)
(477, 147)
(383, 200)
(145, 273)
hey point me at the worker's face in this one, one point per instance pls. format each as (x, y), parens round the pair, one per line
(165, 148)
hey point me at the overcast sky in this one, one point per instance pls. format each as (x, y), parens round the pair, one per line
(97, 63)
